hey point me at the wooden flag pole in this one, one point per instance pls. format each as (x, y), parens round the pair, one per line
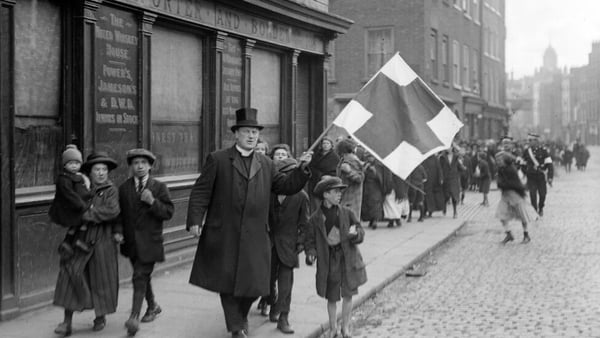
(318, 140)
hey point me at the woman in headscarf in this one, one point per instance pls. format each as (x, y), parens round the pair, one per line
(513, 204)
(89, 280)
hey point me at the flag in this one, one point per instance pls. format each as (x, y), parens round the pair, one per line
(399, 119)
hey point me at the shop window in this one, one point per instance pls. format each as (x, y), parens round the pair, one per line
(176, 101)
(380, 48)
(265, 92)
(38, 123)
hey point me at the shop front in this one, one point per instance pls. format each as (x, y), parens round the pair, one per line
(165, 75)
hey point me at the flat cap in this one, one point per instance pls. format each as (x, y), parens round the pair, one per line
(140, 152)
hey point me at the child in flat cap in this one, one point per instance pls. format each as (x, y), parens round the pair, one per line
(145, 204)
(332, 240)
(71, 200)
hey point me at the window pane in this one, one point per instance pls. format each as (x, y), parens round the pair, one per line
(38, 133)
(265, 93)
(380, 49)
(176, 102)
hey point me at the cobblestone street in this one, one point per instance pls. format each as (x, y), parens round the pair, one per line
(476, 287)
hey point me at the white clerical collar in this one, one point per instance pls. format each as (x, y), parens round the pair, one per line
(243, 152)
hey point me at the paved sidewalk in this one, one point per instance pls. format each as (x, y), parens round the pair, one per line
(189, 311)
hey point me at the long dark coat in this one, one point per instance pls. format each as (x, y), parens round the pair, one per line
(373, 193)
(143, 223)
(91, 281)
(288, 226)
(234, 250)
(316, 244)
(451, 176)
(434, 190)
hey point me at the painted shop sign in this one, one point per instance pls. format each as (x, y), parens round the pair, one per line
(216, 16)
(232, 87)
(116, 54)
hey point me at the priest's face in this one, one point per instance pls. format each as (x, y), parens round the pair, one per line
(247, 137)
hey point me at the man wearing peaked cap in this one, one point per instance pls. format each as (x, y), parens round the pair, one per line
(539, 169)
(140, 152)
(145, 204)
(227, 211)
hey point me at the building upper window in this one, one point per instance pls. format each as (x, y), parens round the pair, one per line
(433, 54)
(465, 67)
(466, 7)
(456, 63)
(475, 11)
(379, 48)
(445, 61)
(475, 71)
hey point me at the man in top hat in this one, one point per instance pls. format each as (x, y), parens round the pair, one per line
(228, 209)
(538, 169)
(145, 205)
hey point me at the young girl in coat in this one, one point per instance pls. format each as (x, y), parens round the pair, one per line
(333, 236)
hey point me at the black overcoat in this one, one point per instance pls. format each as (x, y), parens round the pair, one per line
(234, 250)
(142, 223)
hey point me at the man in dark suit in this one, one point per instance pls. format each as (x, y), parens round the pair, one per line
(233, 193)
(539, 170)
(145, 204)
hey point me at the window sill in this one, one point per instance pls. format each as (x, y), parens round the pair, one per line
(457, 86)
(446, 84)
(45, 194)
(434, 81)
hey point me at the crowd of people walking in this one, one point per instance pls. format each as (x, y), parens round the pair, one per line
(255, 208)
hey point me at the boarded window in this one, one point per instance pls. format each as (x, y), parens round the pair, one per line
(176, 101)
(38, 129)
(265, 93)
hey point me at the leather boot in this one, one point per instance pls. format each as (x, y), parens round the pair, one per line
(526, 238)
(133, 324)
(509, 237)
(283, 325)
(273, 315)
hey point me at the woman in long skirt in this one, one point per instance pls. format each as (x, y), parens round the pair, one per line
(90, 280)
(513, 204)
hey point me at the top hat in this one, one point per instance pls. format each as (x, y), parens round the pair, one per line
(246, 117)
(327, 183)
(140, 152)
(98, 157)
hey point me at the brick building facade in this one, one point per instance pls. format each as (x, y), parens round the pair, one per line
(457, 47)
